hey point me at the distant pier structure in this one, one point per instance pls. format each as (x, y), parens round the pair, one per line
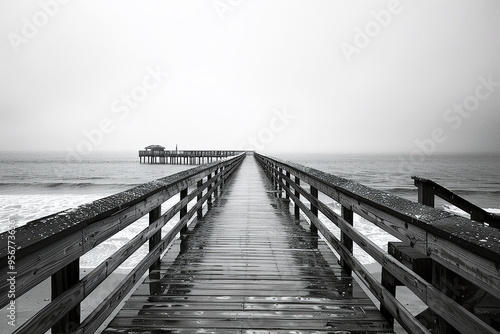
(156, 154)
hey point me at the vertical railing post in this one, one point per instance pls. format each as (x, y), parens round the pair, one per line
(287, 196)
(314, 210)
(155, 238)
(183, 211)
(209, 199)
(223, 182)
(348, 216)
(275, 182)
(280, 188)
(297, 194)
(61, 281)
(216, 176)
(425, 193)
(153, 241)
(477, 215)
(449, 283)
(442, 278)
(199, 214)
(389, 282)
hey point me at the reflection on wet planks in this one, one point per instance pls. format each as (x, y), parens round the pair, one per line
(248, 265)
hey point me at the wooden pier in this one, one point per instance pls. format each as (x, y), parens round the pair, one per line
(247, 248)
(156, 154)
(249, 265)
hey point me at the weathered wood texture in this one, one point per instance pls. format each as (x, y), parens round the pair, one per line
(457, 243)
(249, 266)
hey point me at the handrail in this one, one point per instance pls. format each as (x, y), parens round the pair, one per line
(428, 230)
(51, 246)
(427, 189)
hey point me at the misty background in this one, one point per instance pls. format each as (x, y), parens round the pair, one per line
(270, 75)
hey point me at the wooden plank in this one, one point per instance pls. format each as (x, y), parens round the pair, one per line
(463, 320)
(102, 230)
(484, 274)
(142, 324)
(278, 301)
(36, 267)
(59, 306)
(339, 313)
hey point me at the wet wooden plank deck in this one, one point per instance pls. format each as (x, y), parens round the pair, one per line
(249, 267)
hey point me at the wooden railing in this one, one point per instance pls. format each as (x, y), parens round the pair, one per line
(428, 189)
(52, 246)
(467, 249)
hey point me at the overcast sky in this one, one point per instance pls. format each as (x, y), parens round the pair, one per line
(321, 76)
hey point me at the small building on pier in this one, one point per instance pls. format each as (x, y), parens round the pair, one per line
(155, 148)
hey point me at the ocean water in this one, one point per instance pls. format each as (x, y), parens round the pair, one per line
(34, 185)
